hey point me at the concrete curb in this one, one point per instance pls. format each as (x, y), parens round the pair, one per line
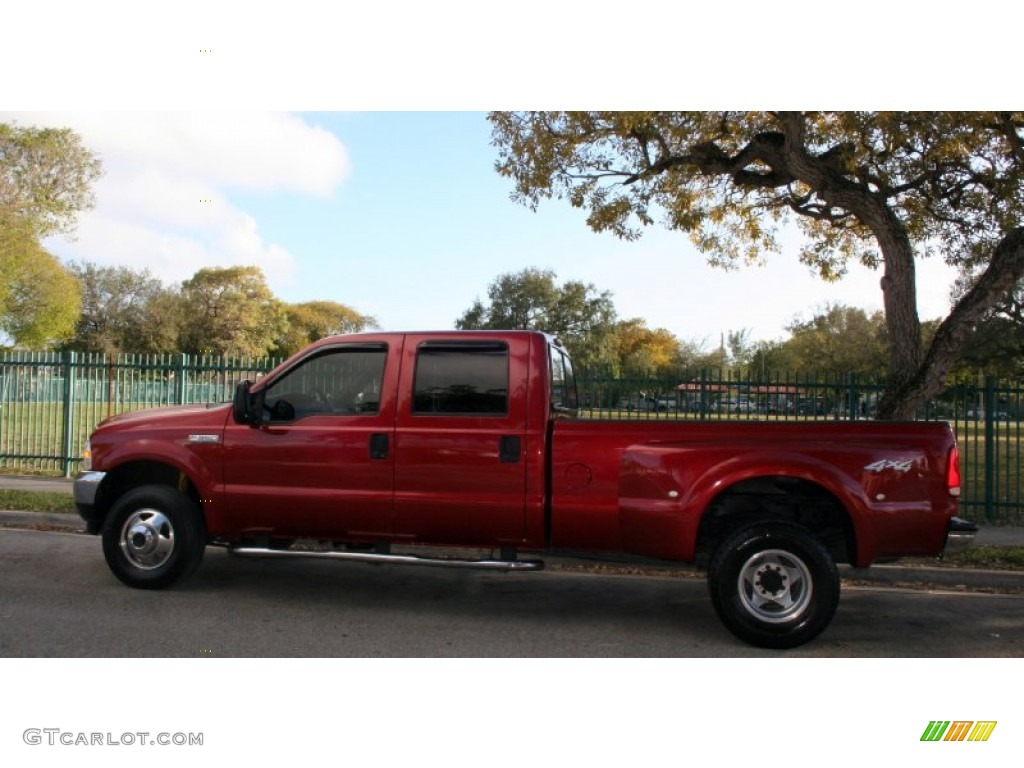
(55, 520)
(949, 578)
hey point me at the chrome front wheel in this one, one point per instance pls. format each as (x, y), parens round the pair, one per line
(147, 539)
(153, 536)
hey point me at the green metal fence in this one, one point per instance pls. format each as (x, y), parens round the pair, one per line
(49, 403)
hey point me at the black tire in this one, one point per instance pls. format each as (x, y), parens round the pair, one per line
(153, 537)
(774, 585)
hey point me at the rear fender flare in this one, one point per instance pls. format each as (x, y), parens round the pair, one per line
(719, 478)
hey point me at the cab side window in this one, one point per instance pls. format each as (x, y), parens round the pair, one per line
(468, 378)
(339, 381)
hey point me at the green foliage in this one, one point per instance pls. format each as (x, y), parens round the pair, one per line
(639, 348)
(577, 313)
(45, 181)
(39, 300)
(727, 177)
(313, 320)
(17, 246)
(124, 311)
(46, 177)
(840, 338)
(995, 346)
(230, 311)
(586, 321)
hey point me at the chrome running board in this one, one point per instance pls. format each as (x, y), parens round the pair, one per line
(376, 557)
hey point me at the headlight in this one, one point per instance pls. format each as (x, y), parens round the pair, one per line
(86, 457)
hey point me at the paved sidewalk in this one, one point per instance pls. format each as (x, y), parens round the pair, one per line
(30, 483)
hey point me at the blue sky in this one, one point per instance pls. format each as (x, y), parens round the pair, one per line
(401, 216)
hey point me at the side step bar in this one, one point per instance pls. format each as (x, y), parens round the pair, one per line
(375, 557)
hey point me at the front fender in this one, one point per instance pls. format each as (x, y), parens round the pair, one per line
(199, 462)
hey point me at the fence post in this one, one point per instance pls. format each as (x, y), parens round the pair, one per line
(990, 448)
(179, 385)
(68, 429)
(852, 397)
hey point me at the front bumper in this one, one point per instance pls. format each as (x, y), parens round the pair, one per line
(960, 535)
(85, 488)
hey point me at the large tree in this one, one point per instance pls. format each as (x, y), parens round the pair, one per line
(882, 188)
(578, 313)
(124, 311)
(639, 348)
(46, 177)
(230, 311)
(312, 320)
(39, 299)
(838, 339)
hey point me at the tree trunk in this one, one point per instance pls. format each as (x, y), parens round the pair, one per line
(899, 293)
(1006, 268)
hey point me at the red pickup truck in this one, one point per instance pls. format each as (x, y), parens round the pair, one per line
(399, 447)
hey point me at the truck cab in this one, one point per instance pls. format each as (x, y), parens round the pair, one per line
(406, 437)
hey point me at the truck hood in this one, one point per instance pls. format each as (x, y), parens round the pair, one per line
(210, 416)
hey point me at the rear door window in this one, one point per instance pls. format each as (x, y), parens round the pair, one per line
(468, 378)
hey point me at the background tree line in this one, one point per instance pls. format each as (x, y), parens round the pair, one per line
(883, 188)
(225, 311)
(837, 338)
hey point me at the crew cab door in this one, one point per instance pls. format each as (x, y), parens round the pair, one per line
(460, 441)
(321, 463)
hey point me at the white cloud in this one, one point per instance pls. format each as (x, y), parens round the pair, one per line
(270, 151)
(160, 166)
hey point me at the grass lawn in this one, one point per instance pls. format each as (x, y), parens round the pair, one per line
(998, 558)
(37, 501)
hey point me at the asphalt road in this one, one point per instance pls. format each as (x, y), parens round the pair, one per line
(59, 599)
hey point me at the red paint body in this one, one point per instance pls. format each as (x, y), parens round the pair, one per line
(612, 486)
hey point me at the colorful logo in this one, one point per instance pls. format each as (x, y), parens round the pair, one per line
(959, 730)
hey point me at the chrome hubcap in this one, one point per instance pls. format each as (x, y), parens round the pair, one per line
(775, 586)
(147, 539)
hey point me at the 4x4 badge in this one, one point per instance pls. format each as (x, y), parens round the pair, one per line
(899, 466)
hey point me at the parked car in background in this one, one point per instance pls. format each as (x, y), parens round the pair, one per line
(646, 404)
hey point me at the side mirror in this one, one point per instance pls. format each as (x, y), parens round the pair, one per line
(240, 404)
(245, 408)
